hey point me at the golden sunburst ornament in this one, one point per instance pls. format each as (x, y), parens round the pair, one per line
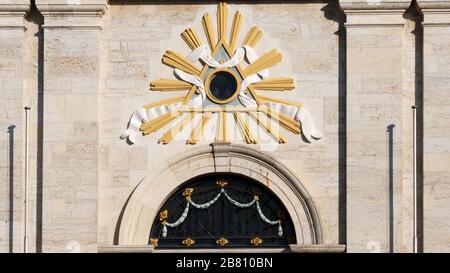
(221, 81)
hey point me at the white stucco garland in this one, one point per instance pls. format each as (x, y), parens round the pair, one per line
(208, 204)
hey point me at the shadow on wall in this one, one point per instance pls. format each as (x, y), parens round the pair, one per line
(419, 103)
(36, 17)
(333, 12)
(390, 177)
(413, 13)
(11, 186)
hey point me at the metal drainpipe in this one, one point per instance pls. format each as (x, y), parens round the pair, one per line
(25, 237)
(414, 109)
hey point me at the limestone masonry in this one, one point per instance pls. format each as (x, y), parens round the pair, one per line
(85, 66)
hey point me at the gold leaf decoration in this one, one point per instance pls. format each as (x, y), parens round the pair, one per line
(267, 60)
(188, 192)
(165, 101)
(209, 30)
(197, 132)
(222, 20)
(253, 37)
(190, 36)
(268, 126)
(172, 132)
(222, 128)
(176, 60)
(256, 241)
(157, 123)
(275, 84)
(188, 242)
(245, 129)
(154, 242)
(235, 29)
(280, 101)
(169, 85)
(222, 241)
(287, 122)
(163, 215)
(222, 183)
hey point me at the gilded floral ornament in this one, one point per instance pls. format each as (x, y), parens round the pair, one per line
(188, 242)
(222, 78)
(154, 242)
(188, 192)
(222, 241)
(222, 183)
(256, 241)
(163, 215)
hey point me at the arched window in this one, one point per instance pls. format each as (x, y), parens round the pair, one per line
(222, 210)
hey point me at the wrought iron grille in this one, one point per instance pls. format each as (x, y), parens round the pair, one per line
(223, 224)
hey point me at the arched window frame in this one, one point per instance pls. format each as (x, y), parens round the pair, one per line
(145, 201)
(222, 210)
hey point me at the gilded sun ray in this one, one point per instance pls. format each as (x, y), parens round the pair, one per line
(224, 93)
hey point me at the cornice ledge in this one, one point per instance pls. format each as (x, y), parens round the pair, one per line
(436, 13)
(16, 8)
(318, 248)
(125, 249)
(99, 9)
(11, 15)
(373, 5)
(72, 16)
(434, 5)
(374, 13)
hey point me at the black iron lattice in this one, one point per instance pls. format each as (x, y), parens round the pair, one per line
(223, 219)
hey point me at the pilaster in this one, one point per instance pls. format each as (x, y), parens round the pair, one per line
(374, 123)
(71, 90)
(12, 13)
(436, 129)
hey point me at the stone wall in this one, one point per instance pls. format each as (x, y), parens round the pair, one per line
(374, 127)
(134, 39)
(12, 117)
(70, 125)
(436, 132)
(85, 67)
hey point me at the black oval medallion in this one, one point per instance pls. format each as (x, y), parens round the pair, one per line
(223, 85)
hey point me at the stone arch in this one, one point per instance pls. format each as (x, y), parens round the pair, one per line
(149, 195)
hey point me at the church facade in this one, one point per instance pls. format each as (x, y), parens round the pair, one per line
(238, 126)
